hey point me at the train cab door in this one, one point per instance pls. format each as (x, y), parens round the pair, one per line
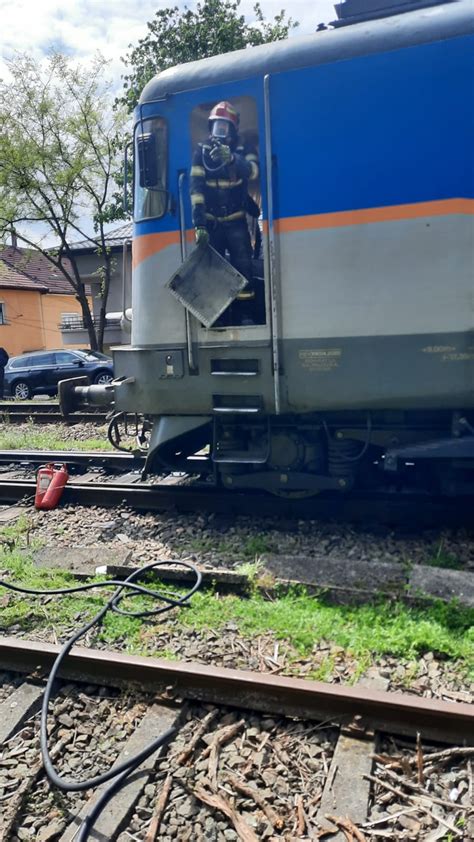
(237, 349)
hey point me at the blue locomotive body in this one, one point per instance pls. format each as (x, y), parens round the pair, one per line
(365, 345)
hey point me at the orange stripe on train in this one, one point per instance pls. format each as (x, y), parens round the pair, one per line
(443, 207)
(149, 244)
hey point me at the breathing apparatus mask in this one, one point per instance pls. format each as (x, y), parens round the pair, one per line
(221, 131)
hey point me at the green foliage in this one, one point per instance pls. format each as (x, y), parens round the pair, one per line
(116, 629)
(30, 611)
(29, 437)
(17, 533)
(176, 36)
(302, 621)
(60, 148)
(256, 545)
(442, 558)
(384, 628)
(251, 569)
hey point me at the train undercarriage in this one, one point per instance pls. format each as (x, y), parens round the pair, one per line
(402, 451)
(428, 452)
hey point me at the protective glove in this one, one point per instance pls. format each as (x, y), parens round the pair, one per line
(202, 237)
(221, 154)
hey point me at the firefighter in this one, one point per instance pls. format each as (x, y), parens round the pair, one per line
(220, 174)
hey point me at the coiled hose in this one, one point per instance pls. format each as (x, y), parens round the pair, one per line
(127, 587)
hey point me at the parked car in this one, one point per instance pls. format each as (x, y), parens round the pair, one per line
(40, 372)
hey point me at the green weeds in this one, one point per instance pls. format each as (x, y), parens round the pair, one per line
(441, 558)
(29, 437)
(384, 628)
(365, 633)
(255, 546)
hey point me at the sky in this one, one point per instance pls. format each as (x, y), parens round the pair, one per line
(81, 27)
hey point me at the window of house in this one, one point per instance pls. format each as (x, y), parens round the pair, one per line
(70, 320)
(2, 313)
(151, 154)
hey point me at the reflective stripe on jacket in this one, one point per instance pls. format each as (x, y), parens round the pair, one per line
(221, 193)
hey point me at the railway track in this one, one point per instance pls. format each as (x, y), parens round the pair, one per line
(254, 756)
(45, 412)
(113, 460)
(91, 484)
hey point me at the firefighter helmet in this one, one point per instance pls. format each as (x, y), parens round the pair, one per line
(224, 111)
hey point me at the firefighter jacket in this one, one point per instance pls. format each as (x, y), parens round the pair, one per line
(220, 194)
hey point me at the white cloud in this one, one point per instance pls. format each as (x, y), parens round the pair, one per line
(81, 27)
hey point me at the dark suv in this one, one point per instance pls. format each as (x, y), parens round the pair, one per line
(41, 371)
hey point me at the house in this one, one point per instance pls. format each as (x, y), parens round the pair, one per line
(34, 299)
(89, 263)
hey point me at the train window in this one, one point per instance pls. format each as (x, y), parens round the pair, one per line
(151, 153)
(246, 108)
(230, 199)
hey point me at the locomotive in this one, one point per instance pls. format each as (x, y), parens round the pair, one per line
(357, 370)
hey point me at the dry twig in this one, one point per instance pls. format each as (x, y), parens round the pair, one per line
(219, 802)
(220, 738)
(418, 792)
(275, 820)
(152, 832)
(301, 817)
(348, 827)
(24, 788)
(445, 756)
(391, 817)
(419, 759)
(183, 758)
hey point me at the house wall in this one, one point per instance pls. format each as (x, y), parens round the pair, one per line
(53, 308)
(23, 330)
(33, 320)
(88, 265)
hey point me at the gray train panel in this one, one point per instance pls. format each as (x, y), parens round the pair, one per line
(406, 372)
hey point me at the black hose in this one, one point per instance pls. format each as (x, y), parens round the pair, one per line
(121, 772)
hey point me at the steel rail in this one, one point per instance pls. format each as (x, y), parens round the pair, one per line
(31, 407)
(21, 406)
(110, 459)
(362, 708)
(47, 412)
(51, 417)
(142, 497)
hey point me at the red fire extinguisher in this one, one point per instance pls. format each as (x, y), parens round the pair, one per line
(50, 482)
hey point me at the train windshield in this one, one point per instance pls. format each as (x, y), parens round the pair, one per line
(151, 148)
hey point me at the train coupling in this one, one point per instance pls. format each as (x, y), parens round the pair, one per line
(77, 392)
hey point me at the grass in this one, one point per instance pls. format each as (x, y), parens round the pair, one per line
(256, 545)
(29, 437)
(442, 558)
(384, 628)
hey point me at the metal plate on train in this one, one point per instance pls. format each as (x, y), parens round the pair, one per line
(206, 284)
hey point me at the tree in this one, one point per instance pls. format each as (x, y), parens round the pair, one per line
(60, 142)
(176, 36)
